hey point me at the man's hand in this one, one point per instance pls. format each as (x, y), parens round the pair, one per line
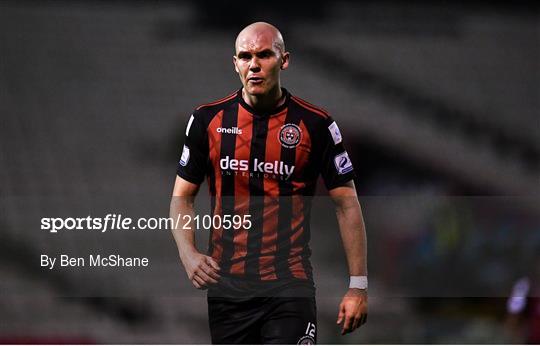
(202, 270)
(352, 310)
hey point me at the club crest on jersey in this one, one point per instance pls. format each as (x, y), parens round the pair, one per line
(290, 135)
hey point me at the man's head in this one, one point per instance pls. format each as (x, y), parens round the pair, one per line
(260, 55)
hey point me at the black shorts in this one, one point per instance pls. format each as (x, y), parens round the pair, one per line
(263, 320)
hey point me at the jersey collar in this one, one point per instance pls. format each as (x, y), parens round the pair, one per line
(268, 113)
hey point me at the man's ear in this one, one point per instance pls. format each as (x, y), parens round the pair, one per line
(234, 63)
(285, 60)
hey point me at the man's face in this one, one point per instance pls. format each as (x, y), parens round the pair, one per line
(258, 63)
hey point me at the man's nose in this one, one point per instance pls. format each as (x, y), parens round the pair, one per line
(254, 65)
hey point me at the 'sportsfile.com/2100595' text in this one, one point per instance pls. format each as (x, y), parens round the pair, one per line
(120, 223)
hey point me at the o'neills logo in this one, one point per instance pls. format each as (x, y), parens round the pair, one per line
(278, 168)
(231, 130)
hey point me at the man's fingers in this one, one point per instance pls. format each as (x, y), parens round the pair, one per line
(215, 276)
(195, 283)
(198, 280)
(212, 263)
(363, 319)
(356, 323)
(206, 279)
(210, 271)
(347, 325)
(340, 315)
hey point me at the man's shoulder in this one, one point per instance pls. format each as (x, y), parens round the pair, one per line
(217, 104)
(310, 108)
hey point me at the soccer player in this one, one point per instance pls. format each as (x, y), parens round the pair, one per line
(262, 150)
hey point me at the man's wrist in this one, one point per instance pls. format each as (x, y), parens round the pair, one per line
(187, 251)
(360, 282)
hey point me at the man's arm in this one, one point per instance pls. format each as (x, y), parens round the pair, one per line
(202, 270)
(353, 307)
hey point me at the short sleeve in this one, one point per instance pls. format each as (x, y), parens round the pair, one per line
(337, 168)
(194, 158)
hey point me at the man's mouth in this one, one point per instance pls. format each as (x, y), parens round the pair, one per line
(255, 80)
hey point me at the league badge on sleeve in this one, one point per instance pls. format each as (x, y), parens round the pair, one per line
(185, 156)
(343, 163)
(334, 132)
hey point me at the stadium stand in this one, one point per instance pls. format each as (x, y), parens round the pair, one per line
(94, 97)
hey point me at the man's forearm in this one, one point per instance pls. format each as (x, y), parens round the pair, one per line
(184, 237)
(353, 234)
(201, 270)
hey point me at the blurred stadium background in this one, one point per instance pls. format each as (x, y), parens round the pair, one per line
(439, 108)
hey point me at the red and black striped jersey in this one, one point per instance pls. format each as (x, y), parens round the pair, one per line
(265, 165)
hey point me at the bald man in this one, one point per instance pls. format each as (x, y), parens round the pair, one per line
(262, 151)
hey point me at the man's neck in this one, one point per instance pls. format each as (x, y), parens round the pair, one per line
(264, 103)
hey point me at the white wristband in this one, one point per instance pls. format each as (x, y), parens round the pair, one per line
(358, 282)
